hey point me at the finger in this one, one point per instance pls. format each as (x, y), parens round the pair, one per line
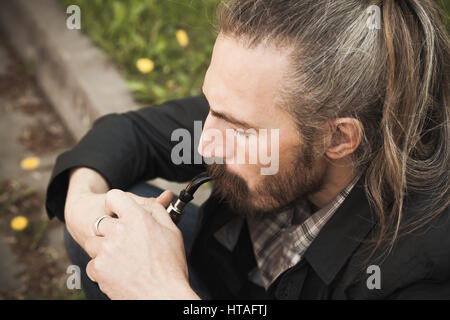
(92, 246)
(92, 270)
(106, 226)
(118, 202)
(160, 214)
(165, 198)
(142, 201)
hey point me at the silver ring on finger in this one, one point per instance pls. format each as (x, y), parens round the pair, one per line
(96, 224)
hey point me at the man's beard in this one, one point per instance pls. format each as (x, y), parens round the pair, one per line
(274, 194)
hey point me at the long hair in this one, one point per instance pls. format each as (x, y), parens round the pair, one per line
(393, 78)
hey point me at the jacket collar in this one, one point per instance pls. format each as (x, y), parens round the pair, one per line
(338, 239)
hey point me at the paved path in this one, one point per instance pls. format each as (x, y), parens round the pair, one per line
(26, 125)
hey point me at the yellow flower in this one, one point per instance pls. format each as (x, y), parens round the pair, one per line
(182, 38)
(30, 163)
(170, 84)
(145, 65)
(19, 223)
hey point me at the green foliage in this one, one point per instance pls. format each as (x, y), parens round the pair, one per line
(128, 30)
(445, 5)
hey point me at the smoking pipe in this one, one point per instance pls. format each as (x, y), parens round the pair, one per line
(186, 195)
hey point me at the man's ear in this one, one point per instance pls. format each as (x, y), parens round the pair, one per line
(346, 135)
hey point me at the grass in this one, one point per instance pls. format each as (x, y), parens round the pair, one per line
(130, 30)
(445, 5)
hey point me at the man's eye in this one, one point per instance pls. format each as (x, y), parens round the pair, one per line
(242, 133)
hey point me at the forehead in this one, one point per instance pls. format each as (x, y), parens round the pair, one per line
(245, 82)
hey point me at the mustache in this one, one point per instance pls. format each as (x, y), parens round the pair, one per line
(227, 185)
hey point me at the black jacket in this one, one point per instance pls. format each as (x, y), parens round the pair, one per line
(136, 146)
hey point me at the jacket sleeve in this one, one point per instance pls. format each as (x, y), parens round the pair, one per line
(130, 147)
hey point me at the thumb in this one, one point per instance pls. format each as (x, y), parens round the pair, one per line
(163, 199)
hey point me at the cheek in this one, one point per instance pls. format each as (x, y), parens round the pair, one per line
(267, 150)
(250, 173)
(238, 149)
(250, 155)
(252, 149)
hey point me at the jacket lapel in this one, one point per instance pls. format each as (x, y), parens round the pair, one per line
(340, 236)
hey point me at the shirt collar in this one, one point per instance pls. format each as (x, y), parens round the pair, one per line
(337, 240)
(280, 244)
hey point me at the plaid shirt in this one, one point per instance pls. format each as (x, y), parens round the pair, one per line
(280, 240)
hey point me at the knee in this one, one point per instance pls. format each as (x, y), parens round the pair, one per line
(145, 190)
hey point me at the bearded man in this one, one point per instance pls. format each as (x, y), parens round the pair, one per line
(358, 208)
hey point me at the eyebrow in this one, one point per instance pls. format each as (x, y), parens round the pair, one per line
(229, 118)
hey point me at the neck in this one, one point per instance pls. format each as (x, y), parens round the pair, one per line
(337, 177)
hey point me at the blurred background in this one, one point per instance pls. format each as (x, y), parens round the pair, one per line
(160, 50)
(55, 81)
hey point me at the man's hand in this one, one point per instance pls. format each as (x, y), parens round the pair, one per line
(141, 253)
(85, 202)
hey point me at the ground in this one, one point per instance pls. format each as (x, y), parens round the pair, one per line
(33, 262)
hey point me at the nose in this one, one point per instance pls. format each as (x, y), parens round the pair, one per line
(211, 143)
